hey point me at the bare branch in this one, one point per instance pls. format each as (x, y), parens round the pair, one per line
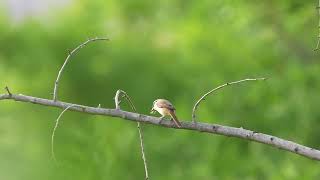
(142, 151)
(200, 127)
(215, 89)
(117, 102)
(70, 53)
(117, 99)
(54, 130)
(8, 90)
(318, 43)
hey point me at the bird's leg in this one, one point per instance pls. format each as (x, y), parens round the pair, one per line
(161, 119)
(177, 125)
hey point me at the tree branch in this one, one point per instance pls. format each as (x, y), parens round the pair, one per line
(200, 127)
(215, 89)
(56, 84)
(318, 43)
(117, 102)
(8, 90)
(54, 131)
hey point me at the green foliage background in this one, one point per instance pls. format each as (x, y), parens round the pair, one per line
(176, 50)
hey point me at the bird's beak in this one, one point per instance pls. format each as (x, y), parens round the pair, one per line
(152, 111)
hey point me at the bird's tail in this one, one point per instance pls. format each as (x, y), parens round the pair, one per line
(175, 119)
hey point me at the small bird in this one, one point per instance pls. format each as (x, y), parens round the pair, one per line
(165, 108)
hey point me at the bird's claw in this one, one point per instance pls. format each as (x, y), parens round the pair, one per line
(161, 119)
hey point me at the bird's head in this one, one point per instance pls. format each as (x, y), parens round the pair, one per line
(153, 106)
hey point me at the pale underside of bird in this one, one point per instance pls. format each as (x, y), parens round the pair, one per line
(165, 108)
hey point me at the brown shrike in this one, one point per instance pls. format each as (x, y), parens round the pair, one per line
(165, 108)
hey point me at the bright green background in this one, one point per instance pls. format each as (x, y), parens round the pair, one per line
(176, 50)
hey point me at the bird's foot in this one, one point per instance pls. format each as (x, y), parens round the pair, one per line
(161, 119)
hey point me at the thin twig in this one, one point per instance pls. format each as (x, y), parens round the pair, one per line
(228, 131)
(54, 130)
(318, 43)
(117, 101)
(8, 90)
(215, 89)
(142, 151)
(55, 91)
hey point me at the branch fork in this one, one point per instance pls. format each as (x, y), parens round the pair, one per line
(70, 53)
(122, 94)
(217, 88)
(8, 90)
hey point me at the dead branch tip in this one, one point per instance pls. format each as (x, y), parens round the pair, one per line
(8, 91)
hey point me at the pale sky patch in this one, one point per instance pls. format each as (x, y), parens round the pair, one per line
(19, 10)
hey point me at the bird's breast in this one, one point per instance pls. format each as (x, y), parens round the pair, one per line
(162, 111)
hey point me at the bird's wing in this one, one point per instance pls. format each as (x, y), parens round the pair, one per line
(175, 119)
(165, 104)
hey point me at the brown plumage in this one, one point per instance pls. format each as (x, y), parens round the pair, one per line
(165, 108)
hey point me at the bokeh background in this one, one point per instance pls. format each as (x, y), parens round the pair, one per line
(177, 50)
